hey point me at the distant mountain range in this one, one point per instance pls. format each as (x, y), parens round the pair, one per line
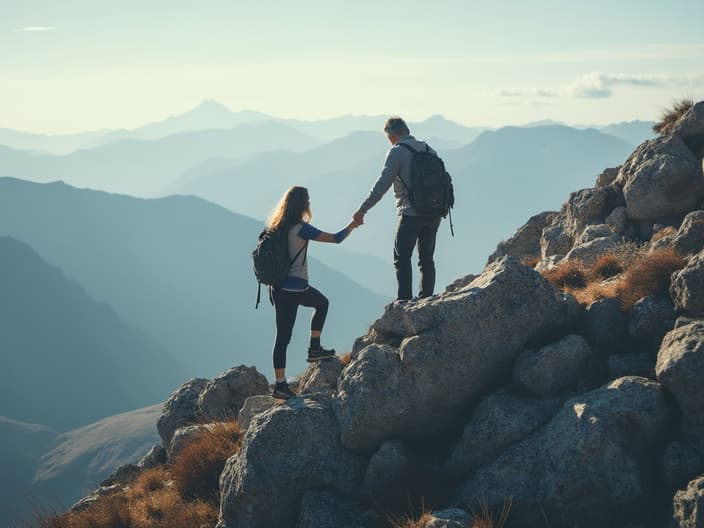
(67, 359)
(178, 268)
(44, 469)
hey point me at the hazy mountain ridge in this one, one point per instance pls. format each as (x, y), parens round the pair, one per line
(178, 268)
(67, 359)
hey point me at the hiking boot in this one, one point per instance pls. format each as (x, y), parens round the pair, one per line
(318, 353)
(282, 391)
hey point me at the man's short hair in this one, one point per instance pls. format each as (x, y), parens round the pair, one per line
(396, 126)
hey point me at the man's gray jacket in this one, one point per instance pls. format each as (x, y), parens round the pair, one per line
(397, 166)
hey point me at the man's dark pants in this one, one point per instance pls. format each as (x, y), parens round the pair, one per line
(412, 229)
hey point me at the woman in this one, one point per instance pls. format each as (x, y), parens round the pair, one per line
(292, 215)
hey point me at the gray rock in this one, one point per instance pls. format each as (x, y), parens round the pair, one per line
(122, 476)
(320, 375)
(618, 220)
(584, 468)
(498, 422)
(253, 406)
(182, 437)
(688, 506)
(606, 327)
(556, 367)
(680, 367)
(621, 365)
(687, 287)
(650, 319)
(87, 502)
(590, 206)
(180, 409)
(662, 179)
(690, 235)
(526, 242)
(453, 348)
(588, 252)
(223, 397)
(554, 240)
(681, 463)
(286, 451)
(449, 518)
(607, 177)
(323, 509)
(683, 320)
(155, 457)
(387, 471)
(594, 231)
(690, 127)
(460, 283)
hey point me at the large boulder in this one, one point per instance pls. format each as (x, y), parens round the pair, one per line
(526, 242)
(590, 206)
(253, 406)
(690, 127)
(688, 506)
(451, 348)
(650, 319)
(183, 437)
(662, 179)
(556, 367)
(687, 287)
(289, 449)
(690, 236)
(606, 327)
(387, 472)
(321, 375)
(555, 240)
(501, 420)
(634, 364)
(180, 409)
(223, 397)
(589, 466)
(680, 367)
(588, 252)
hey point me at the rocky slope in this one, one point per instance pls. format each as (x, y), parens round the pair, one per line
(500, 390)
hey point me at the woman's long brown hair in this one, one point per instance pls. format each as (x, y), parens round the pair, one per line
(294, 207)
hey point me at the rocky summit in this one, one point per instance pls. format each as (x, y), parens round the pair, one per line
(511, 391)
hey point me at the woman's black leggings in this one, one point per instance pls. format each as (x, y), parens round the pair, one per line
(286, 304)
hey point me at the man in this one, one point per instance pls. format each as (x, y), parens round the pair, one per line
(412, 227)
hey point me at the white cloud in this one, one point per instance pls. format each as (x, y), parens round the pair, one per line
(525, 93)
(598, 85)
(35, 29)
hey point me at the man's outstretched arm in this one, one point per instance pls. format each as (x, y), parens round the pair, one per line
(386, 179)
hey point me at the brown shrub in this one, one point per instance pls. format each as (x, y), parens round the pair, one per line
(346, 358)
(669, 117)
(605, 267)
(595, 291)
(567, 275)
(149, 481)
(196, 470)
(649, 276)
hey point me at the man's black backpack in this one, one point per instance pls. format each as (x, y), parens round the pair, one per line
(270, 258)
(431, 192)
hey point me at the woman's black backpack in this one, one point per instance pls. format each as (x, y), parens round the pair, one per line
(270, 258)
(430, 192)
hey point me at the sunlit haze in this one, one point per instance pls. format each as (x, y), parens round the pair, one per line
(82, 65)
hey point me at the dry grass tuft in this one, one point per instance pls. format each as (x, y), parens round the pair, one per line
(669, 117)
(629, 252)
(484, 518)
(605, 267)
(149, 481)
(649, 276)
(196, 470)
(664, 232)
(346, 358)
(567, 275)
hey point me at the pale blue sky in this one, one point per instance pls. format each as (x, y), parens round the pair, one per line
(77, 65)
